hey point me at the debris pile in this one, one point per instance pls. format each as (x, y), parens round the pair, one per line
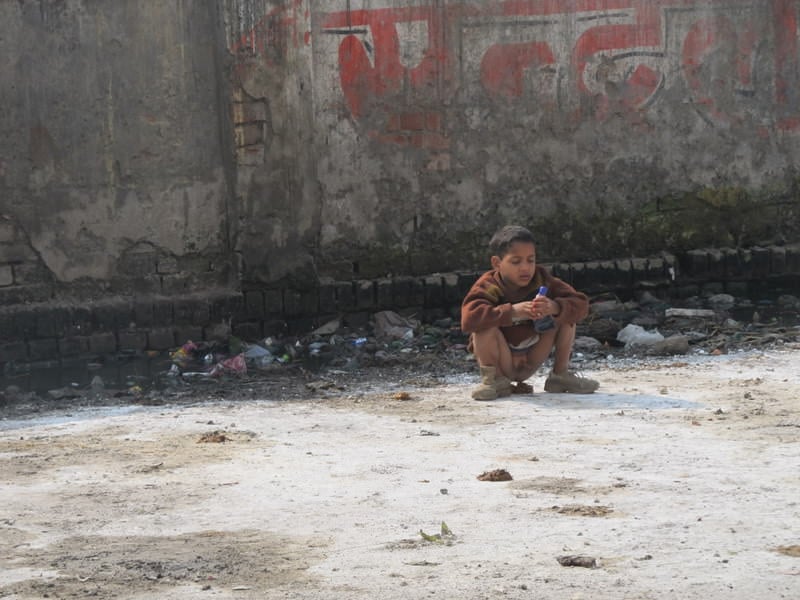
(392, 343)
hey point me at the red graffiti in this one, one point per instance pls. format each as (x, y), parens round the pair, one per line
(619, 60)
(373, 73)
(268, 42)
(504, 66)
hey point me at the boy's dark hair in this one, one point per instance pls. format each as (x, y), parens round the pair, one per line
(502, 240)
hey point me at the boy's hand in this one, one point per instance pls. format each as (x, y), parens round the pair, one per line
(521, 311)
(541, 306)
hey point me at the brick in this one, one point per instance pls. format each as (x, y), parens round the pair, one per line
(254, 304)
(8, 232)
(273, 302)
(185, 333)
(182, 311)
(697, 264)
(177, 285)
(274, 327)
(73, 345)
(161, 338)
(450, 289)
(711, 288)
(23, 294)
(226, 307)
(201, 314)
(417, 295)
(580, 278)
(143, 313)
(601, 276)
(17, 253)
(163, 312)
(716, 264)
(327, 296)
(777, 260)
(138, 264)
(345, 296)
(248, 112)
(465, 282)
(300, 326)
(43, 349)
(249, 134)
(357, 319)
(103, 343)
(79, 321)
(624, 274)
(384, 297)
(140, 285)
(6, 275)
(10, 325)
(300, 303)
(30, 272)
(434, 291)
(365, 294)
(250, 156)
(401, 291)
(248, 330)
(792, 258)
(761, 261)
(562, 271)
(733, 263)
(112, 315)
(167, 265)
(13, 351)
(132, 339)
(52, 322)
(191, 311)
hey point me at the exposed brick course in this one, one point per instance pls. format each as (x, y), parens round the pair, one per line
(41, 331)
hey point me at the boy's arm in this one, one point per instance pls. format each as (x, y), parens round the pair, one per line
(573, 305)
(482, 308)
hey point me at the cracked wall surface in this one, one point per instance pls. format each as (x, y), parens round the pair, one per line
(166, 147)
(109, 138)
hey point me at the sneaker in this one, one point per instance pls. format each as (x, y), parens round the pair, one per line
(570, 383)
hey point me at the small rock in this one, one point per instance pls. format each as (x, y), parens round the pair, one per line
(577, 560)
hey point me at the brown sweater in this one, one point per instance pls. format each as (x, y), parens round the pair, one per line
(488, 304)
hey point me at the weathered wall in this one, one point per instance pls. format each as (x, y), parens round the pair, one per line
(111, 168)
(610, 127)
(147, 145)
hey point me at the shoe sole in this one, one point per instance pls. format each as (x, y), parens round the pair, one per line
(562, 389)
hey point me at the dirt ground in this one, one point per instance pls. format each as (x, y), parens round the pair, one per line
(680, 478)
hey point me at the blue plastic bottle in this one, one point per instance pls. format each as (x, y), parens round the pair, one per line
(547, 322)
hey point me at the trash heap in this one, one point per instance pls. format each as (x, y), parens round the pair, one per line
(647, 327)
(394, 346)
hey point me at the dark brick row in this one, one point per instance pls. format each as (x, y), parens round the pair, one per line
(744, 264)
(44, 331)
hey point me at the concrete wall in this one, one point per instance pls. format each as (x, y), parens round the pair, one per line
(147, 146)
(610, 127)
(111, 161)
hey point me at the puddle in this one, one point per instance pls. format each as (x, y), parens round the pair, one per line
(118, 372)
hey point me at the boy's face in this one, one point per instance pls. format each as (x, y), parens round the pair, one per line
(518, 265)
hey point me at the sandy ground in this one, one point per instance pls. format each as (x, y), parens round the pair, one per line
(680, 479)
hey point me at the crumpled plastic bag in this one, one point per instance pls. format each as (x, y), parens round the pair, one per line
(635, 335)
(390, 325)
(236, 365)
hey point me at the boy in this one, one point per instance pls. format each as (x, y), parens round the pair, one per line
(503, 313)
